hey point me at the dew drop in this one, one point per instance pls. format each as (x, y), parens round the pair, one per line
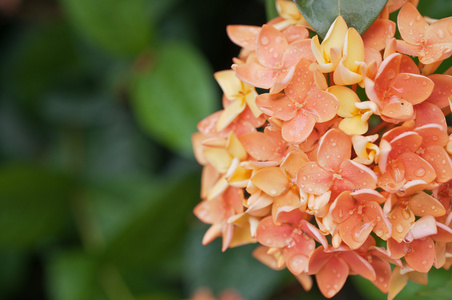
(265, 40)
(424, 262)
(399, 228)
(419, 172)
(273, 191)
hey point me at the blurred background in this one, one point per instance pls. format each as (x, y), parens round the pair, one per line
(98, 99)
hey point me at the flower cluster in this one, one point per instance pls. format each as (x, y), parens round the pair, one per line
(340, 162)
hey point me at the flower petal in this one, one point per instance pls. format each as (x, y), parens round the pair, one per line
(422, 255)
(271, 235)
(272, 180)
(359, 175)
(412, 25)
(253, 73)
(422, 204)
(343, 207)
(243, 35)
(331, 277)
(322, 105)
(270, 46)
(299, 128)
(302, 83)
(276, 105)
(335, 147)
(379, 34)
(411, 87)
(442, 90)
(314, 179)
(440, 161)
(417, 168)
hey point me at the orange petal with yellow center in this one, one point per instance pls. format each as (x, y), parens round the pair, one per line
(331, 277)
(335, 147)
(270, 46)
(412, 26)
(314, 179)
(335, 37)
(272, 181)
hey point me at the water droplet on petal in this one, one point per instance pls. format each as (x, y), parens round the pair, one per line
(399, 228)
(265, 40)
(419, 172)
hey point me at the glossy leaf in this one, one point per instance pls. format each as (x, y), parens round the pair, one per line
(172, 95)
(119, 27)
(359, 14)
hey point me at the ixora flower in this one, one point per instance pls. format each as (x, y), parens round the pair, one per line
(327, 148)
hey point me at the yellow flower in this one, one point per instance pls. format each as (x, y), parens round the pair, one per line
(238, 94)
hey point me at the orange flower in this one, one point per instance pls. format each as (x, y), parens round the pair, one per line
(333, 169)
(301, 107)
(358, 214)
(294, 237)
(273, 64)
(397, 88)
(431, 43)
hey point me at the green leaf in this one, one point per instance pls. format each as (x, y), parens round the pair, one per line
(359, 14)
(117, 26)
(44, 57)
(270, 9)
(135, 222)
(34, 204)
(207, 266)
(173, 95)
(73, 275)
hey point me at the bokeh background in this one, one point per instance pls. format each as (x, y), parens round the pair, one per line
(98, 99)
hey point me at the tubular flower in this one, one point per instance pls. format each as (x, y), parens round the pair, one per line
(346, 148)
(431, 43)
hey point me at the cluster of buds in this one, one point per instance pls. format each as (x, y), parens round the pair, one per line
(340, 162)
